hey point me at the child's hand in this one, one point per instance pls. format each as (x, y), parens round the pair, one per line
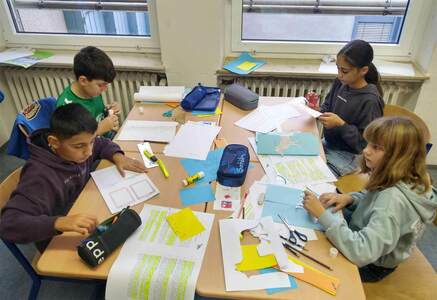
(339, 200)
(114, 107)
(80, 223)
(123, 162)
(312, 204)
(330, 120)
(107, 124)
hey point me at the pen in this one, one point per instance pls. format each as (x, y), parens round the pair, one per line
(290, 249)
(154, 159)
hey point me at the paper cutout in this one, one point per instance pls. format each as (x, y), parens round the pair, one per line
(185, 224)
(196, 195)
(246, 66)
(253, 261)
(230, 230)
(208, 166)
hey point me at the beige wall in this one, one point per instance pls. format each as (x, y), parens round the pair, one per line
(7, 110)
(426, 57)
(192, 40)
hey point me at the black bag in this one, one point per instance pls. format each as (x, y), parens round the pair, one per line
(96, 247)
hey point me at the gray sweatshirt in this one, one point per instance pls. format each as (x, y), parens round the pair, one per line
(384, 226)
(357, 107)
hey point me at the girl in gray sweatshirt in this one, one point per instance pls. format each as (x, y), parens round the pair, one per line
(355, 100)
(389, 216)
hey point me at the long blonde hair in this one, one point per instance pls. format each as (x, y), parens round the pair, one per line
(404, 154)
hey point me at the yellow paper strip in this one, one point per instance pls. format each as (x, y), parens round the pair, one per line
(252, 260)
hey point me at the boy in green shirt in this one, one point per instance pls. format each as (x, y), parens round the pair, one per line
(94, 71)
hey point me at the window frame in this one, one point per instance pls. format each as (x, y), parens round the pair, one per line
(76, 41)
(415, 22)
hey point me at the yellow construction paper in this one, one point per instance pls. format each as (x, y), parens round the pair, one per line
(252, 261)
(246, 66)
(185, 224)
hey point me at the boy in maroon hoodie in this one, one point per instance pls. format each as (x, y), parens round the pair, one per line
(58, 169)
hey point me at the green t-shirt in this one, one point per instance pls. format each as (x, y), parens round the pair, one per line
(94, 105)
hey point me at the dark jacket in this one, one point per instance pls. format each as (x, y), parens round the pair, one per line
(357, 107)
(48, 187)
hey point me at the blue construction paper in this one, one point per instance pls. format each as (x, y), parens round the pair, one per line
(283, 200)
(298, 143)
(293, 284)
(232, 65)
(208, 166)
(197, 194)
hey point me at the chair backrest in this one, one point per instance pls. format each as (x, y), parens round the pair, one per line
(8, 186)
(396, 110)
(35, 116)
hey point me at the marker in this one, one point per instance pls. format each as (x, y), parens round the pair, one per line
(154, 159)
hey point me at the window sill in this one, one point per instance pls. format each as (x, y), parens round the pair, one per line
(122, 61)
(309, 68)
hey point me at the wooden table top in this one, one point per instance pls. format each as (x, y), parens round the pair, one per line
(61, 259)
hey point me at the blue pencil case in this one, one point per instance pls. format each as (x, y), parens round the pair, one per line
(233, 165)
(201, 98)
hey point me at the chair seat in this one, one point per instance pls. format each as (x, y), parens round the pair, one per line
(415, 278)
(352, 182)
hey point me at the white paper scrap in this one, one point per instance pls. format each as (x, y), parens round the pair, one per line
(227, 198)
(147, 162)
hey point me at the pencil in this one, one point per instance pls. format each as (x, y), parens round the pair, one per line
(312, 258)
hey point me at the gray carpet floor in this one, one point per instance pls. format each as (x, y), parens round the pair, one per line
(15, 283)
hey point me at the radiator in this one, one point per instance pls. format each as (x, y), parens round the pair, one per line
(394, 92)
(27, 85)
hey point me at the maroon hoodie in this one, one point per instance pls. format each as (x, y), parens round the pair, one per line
(48, 187)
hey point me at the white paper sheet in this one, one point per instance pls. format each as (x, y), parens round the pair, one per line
(308, 110)
(227, 198)
(252, 208)
(154, 131)
(160, 93)
(154, 263)
(266, 118)
(147, 162)
(119, 192)
(230, 230)
(14, 53)
(192, 141)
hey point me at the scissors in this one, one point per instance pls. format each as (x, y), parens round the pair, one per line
(293, 234)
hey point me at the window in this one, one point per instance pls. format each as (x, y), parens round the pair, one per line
(320, 26)
(98, 22)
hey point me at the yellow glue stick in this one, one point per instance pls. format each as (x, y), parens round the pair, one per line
(189, 180)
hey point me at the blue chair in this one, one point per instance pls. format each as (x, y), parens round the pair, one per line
(35, 116)
(6, 189)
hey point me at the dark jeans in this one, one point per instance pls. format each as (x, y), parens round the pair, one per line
(372, 273)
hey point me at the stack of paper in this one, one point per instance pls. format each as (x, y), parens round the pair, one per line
(192, 141)
(119, 192)
(154, 263)
(153, 131)
(160, 93)
(244, 64)
(268, 118)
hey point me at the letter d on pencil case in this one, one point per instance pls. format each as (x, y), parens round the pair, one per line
(95, 248)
